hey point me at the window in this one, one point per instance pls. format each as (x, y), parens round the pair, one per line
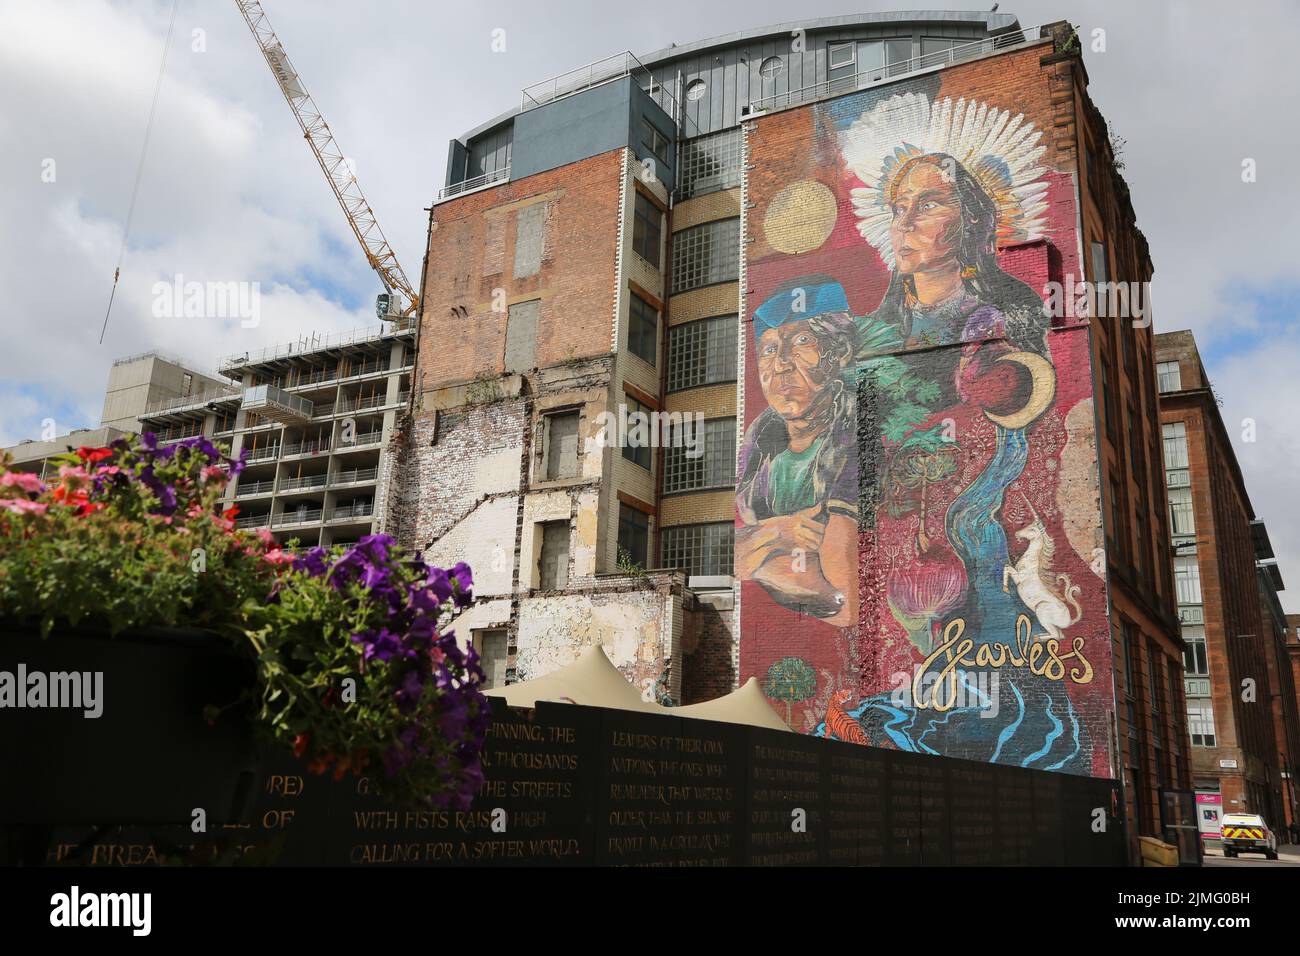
(530, 234)
(1109, 409)
(701, 457)
(935, 45)
(880, 58)
(1136, 462)
(1200, 722)
(493, 651)
(633, 535)
(647, 230)
(1118, 524)
(553, 569)
(1169, 376)
(771, 68)
(187, 382)
(1195, 659)
(1143, 542)
(1182, 517)
(1158, 694)
(561, 445)
(1100, 265)
(1175, 435)
(702, 352)
(696, 89)
(521, 335)
(637, 442)
(655, 141)
(643, 330)
(843, 65)
(709, 163)
(1131, 695)
(706, 254)
(1100, 305)
(1187, 578)
(699, 549)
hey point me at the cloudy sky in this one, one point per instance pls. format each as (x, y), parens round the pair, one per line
(231, 192)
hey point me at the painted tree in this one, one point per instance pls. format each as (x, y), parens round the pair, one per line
(791, 679)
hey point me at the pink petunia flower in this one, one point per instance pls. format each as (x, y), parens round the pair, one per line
(23, 506)
(26, 480)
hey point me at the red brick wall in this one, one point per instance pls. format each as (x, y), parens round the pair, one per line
(965, 435)
(472, 255)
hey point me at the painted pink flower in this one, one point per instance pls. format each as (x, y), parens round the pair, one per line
(922, 592)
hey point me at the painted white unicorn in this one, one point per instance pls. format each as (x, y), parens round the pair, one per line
(1032, 574)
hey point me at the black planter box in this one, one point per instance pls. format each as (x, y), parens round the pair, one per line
(150, 757)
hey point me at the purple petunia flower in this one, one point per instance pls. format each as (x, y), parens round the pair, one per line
(382, 644)
(311, 562)
(440, 584)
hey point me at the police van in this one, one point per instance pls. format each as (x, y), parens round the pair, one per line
(1247, 833)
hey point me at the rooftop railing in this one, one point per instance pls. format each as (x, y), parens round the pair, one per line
(184, 401)
(474, 183)
(319, 343)
(893, 71)
(595, 73)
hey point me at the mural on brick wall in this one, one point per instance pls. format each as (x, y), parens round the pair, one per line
(917, 523)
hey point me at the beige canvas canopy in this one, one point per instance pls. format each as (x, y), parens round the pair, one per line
(745, 705)
(593, 680)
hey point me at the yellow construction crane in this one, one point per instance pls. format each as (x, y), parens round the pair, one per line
(400, 299)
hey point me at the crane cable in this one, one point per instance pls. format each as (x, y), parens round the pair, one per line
(139, 171)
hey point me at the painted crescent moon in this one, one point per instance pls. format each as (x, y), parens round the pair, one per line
(1043, 376)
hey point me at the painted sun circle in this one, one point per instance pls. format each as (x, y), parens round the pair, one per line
(800, 217)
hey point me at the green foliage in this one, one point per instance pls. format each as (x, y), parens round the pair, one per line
(628, 566)
(355, 664)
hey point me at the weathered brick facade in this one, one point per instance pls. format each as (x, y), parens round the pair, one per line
(474, 476)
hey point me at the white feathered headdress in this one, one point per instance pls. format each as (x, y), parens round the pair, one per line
(1000, 151)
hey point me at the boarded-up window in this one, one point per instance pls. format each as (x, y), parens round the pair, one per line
(554, 570)
(562, 445)
(493, 651)
(530, 238)
(521, 335)
(494, 244)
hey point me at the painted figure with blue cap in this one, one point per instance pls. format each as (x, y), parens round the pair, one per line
(797, 495)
